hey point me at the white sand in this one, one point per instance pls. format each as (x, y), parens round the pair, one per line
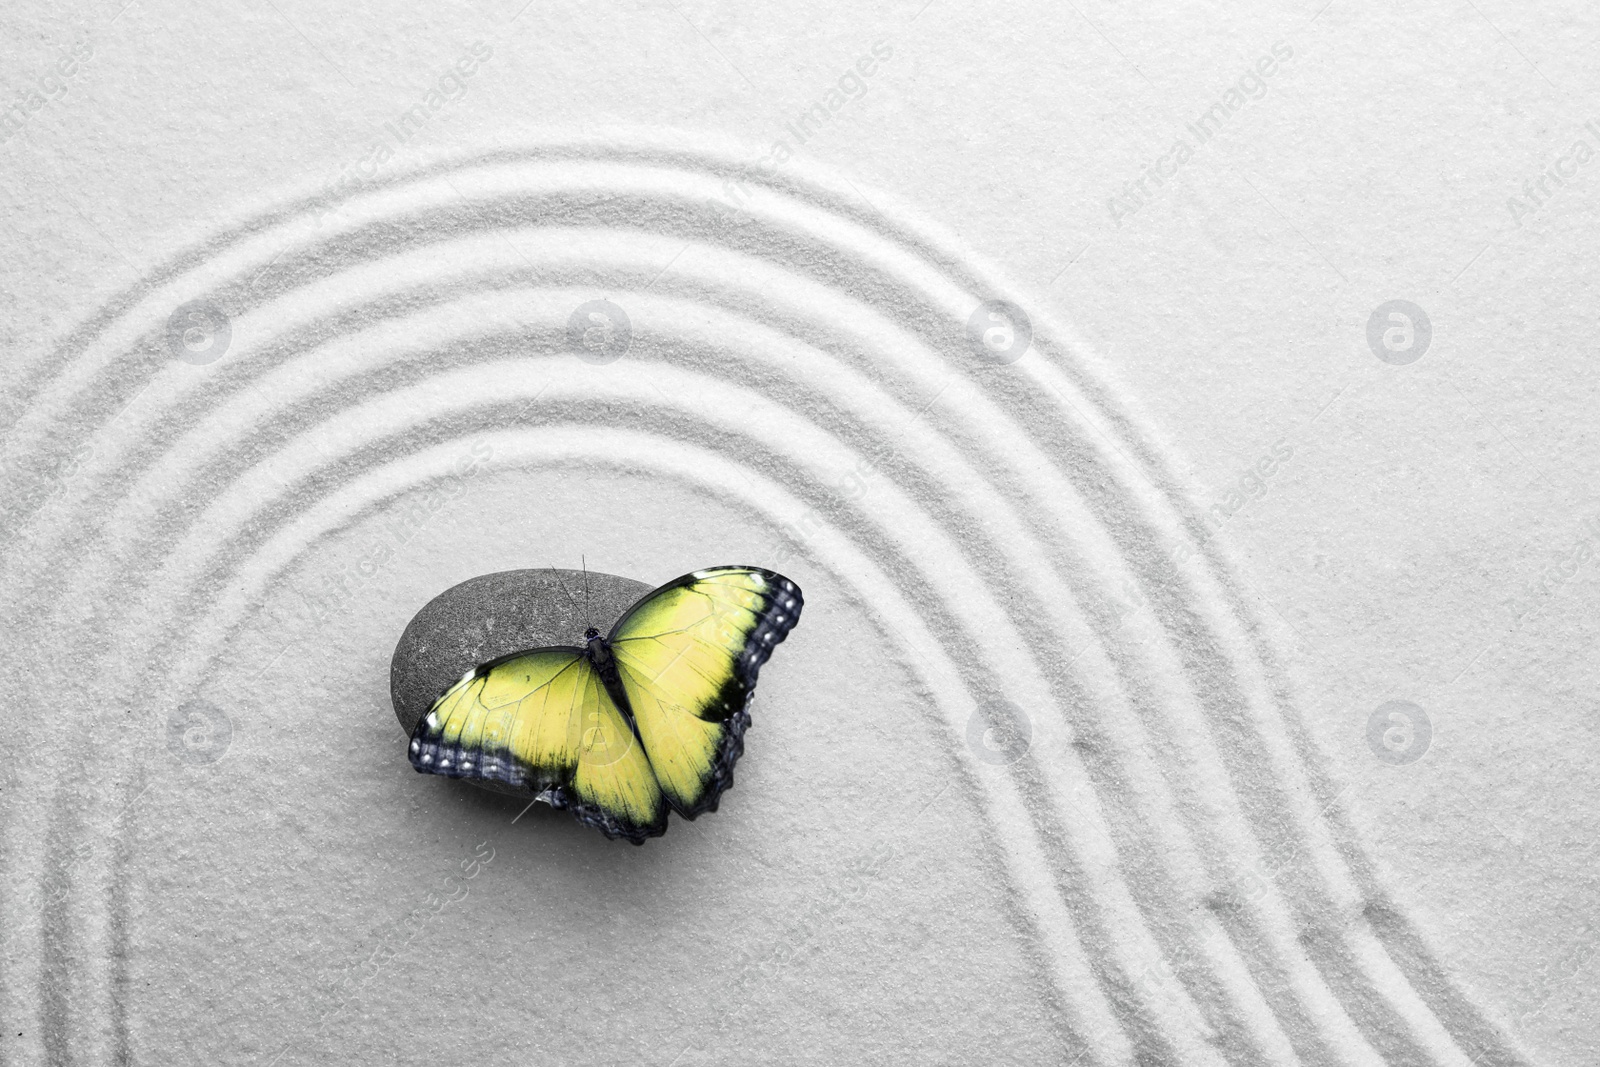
(1189, 848)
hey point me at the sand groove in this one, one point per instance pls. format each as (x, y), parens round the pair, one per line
(814, 335)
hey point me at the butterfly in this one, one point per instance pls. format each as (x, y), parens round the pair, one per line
(648, 718)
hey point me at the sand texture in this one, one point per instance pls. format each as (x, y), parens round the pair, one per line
(1197, 660)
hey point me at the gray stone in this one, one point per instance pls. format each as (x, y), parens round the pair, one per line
(495, 615)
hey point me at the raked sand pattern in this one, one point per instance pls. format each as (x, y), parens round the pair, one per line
(1174, 874)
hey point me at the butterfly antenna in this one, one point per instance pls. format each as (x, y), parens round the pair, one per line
(585, 560)
(563, 583)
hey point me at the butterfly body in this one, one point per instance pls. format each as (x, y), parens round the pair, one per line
(649, 718)
(599, 656)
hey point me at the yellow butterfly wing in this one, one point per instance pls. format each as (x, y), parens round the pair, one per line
(687, 655)
(542, 720)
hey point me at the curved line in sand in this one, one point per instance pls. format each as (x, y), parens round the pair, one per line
(1285, 740)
